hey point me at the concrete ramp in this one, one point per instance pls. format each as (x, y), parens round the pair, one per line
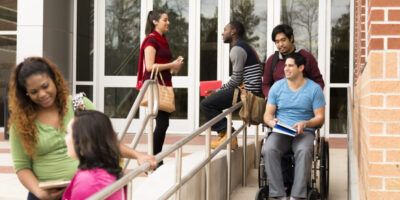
(195, 189)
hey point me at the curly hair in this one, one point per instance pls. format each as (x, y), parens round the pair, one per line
(95, 142)
(23, 111)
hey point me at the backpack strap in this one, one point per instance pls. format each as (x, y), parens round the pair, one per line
(275, 60)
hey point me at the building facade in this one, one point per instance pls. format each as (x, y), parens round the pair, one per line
(96, 45)
(376, 104)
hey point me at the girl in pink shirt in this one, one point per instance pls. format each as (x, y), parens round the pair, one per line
(91, 139)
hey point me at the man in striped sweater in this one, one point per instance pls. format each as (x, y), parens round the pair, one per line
(246, 72)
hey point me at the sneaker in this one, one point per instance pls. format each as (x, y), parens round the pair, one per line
(215, 143)
(219, 140)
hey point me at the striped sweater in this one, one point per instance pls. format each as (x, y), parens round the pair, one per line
(246, 68)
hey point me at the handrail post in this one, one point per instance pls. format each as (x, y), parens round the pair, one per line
(129, 190)
(150, 135)
(244, 140)
(228, 155)
(256, 146)
(208, 166)
(178, 171)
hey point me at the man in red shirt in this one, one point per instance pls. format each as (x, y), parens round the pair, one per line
(283, 37)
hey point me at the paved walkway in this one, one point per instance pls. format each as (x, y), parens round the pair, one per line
(12, 189)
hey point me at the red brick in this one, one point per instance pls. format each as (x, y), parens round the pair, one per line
(393, 156)
(375, 183)
(391, 65)
(393, 43)
(394, 15)
(383, 195)
(393, 184)
(384, 142)
(385, 29)
(375, 61)
(385, 86)
(393, 128)
(388, 170)
(375, 156)
(377, 15)
(393, 101)
(384, 3)
(388, 115)
(376, 44)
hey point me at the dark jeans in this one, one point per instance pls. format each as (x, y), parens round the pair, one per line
(214, 104)
(162, 123)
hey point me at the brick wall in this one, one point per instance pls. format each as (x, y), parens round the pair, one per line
(376, 113)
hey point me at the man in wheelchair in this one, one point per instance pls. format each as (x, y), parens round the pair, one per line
(297, 102)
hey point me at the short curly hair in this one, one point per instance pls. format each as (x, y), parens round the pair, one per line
(23, 111)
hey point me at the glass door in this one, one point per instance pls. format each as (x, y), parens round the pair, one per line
(120, 30)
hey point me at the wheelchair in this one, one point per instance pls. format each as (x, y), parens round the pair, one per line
(318, 187)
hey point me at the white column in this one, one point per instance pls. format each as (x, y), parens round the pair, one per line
(29, 29)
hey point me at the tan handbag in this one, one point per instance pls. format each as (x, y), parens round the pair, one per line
(166, 95)
(252, 111)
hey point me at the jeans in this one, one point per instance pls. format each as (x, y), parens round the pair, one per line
(214, 104)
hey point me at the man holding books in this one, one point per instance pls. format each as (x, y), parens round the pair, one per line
(295, 104)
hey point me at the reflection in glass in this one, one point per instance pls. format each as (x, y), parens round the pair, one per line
(181, 104)
(302, 15)
(7, 61)
(122, 37)
(84, 41)
(340, 41)
(118, 101)
(208, 44)
(8, 15)
(338, 111)
(177, 34)
(253, 15)
(87, 89)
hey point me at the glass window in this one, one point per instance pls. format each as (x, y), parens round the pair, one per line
(178, 32)
(181, 104)
(84, 41)
(7, 61)
(340, 21)
(8, 15)
(87, 89)
(122, 37)
(118, 101)
(253, 15)
(302, 15)
(208, 44)
(338, 111)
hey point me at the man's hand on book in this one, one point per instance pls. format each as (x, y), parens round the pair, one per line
(271, 123)
(300, 126)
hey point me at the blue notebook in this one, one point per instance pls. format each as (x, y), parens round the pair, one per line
(284, 129)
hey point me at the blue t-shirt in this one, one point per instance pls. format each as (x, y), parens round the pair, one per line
(294, 106)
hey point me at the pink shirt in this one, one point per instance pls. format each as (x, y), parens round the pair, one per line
(87, 182)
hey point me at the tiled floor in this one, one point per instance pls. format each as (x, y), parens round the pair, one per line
(11, 188)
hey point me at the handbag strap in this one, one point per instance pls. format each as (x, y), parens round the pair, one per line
(235, 96)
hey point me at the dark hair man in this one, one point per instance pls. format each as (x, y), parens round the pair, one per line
(297, 102)
(283, 37)
(246, 71)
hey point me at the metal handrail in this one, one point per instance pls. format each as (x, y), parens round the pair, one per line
(127, 178)
(150, 85)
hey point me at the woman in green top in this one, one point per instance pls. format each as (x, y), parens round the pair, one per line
(40, 110)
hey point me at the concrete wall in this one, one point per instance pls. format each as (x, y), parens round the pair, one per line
(376, 116)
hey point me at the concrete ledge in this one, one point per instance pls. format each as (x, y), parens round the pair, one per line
(164, 177)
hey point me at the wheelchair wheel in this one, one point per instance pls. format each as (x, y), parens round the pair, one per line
(262, 176)
(262, 194)
(324, 170)
(313, 195)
